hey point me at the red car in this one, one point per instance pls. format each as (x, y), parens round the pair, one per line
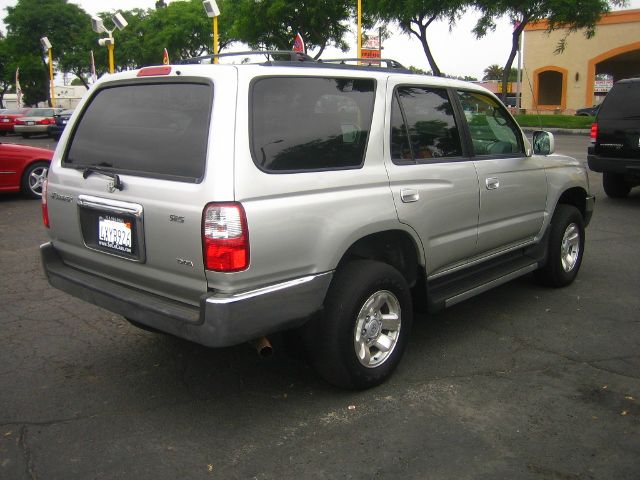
(23, 168)
(8, 119)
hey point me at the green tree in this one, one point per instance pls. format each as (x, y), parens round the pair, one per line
(573, 16)
(495, 72)
(65, 25)
(415, 16)
(273, 24)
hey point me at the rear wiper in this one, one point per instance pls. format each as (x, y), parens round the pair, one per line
(117, 183)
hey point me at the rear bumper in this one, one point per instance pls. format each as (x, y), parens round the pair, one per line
(31, 128)
(220, 320)
(599, 163)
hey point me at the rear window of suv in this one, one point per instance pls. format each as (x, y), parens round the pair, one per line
(156, 130)
(310, 123)
(621, 102)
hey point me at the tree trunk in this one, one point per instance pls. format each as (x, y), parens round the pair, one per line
(422, 36)
(515, 44)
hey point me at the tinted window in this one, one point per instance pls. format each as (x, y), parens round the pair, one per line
(621, 102)
(492, 131)
(148, 129)
(301, 124)
(423, 125)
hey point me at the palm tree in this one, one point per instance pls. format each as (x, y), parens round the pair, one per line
(493, 72)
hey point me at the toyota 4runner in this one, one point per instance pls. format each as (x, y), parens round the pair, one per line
(223, 203)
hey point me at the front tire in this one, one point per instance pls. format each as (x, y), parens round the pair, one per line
(566, 246)
(33, 178)
(361, 336)
(615, 185)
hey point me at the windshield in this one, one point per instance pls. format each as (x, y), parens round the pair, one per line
(157, 130)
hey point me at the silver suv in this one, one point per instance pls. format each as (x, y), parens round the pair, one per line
(223, 203)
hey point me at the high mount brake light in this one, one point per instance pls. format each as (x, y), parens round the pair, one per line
(225, 238)
(153, 71)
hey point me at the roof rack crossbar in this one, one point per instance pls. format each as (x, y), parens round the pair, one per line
(390, 63)
(289, 55)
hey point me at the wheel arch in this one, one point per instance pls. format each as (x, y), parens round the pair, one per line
(393, 247)
(576, 196)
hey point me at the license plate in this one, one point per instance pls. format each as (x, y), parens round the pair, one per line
(64, 122)
(114, 233)
(5, 120)
(31, 123)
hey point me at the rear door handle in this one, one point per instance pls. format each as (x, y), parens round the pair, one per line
(492, 183)
(408, 195)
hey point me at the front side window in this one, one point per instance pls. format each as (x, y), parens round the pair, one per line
(423, 126)
(310, 123)
(492, 131)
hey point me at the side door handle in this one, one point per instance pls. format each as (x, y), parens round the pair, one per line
(492, 183)
(408, 195)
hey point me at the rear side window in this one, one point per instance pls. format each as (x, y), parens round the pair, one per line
(423, 126)
(156, 130)
(621, 102)
(310, 123)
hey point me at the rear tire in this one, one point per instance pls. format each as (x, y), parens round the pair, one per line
(359, 339)
(615, 185)
(566, 246)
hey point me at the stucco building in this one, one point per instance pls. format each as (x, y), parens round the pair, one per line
(586, 70)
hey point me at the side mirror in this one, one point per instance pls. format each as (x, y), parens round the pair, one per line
(543, 143)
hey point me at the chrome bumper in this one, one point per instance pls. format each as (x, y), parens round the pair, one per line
(220, 320)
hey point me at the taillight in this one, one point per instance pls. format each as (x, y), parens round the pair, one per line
(594, 132)
(45, 207)
(18, 122)
(225, 239)
(44, 121)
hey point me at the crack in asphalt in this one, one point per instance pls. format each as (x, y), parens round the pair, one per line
(26, 451)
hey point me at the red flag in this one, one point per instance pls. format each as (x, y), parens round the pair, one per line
(298, 44)
(165, 57)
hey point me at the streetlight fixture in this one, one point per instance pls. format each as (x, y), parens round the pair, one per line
(213, 12)
(97, 25)
(46, 46)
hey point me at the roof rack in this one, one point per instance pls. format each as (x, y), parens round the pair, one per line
(271, 55)
(366, 62)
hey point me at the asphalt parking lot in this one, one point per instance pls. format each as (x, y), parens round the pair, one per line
(522, 382)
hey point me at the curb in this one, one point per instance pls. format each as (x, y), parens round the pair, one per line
(559, 131)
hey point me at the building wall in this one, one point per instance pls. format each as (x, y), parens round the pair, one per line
(616, 33)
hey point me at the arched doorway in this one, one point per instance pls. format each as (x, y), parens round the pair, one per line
(621, 62)
(550, 88)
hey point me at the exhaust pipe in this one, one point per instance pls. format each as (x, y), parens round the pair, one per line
(263, 347)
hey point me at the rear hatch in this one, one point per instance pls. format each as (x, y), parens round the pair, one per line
(619, 122)
(130, 179)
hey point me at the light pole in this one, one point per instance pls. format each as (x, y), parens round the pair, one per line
(98, 26)
(213, 12)
(46, 45)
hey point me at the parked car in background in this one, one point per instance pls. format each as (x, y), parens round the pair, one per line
(60, 121)
(588, 111)
(23, 168)
(615, 150)
(35, 122)
(8, 118)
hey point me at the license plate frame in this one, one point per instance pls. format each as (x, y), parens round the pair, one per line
(124, 217)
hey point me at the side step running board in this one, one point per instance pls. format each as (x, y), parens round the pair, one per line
(447, 291)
